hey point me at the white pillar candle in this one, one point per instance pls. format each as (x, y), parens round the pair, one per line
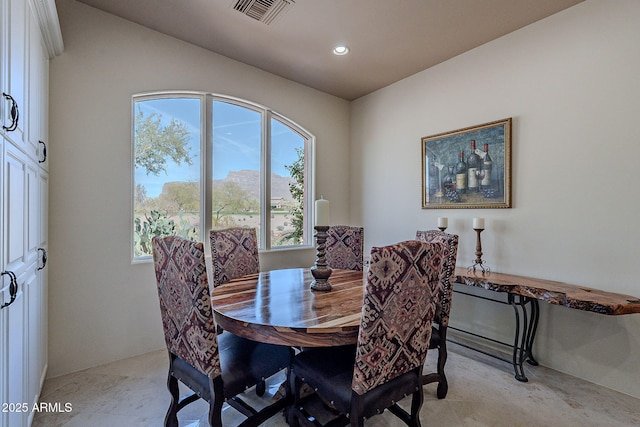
(478, 223)
(322, 212)
(443, 222)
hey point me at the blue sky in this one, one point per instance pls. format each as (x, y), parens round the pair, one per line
(236, 141)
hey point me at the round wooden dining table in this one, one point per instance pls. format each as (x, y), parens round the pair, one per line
(278, 307)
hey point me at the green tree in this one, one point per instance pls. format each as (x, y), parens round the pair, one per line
(230, 198)
(296, 169)
(155, 143)
(180, 196)
(140, 194)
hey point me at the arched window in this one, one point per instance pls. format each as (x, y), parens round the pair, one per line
(203, 161)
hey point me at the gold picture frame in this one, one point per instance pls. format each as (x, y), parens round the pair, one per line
(486, 155)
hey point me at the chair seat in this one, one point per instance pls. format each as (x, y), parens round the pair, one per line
(242, 361)
(245, 362)
(330, 372)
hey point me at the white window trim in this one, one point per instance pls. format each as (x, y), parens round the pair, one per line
(206, 167)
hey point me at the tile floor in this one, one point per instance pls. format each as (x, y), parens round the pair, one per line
(482, 392)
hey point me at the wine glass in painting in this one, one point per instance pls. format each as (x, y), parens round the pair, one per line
(480, 175)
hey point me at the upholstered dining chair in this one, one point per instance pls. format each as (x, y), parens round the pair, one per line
(217, 368)
(445, 293)
(345, 247)
(234, 253)
(386, 364)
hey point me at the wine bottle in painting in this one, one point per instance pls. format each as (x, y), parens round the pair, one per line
(461, 174)
(487, 164)
(473, 166)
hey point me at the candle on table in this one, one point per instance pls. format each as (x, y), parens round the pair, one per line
(322, 212)
(443, 222)
(478, 223)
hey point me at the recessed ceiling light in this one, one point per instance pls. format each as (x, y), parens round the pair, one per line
(340, 50)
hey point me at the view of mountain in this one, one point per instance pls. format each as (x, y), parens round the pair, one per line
(250, 181)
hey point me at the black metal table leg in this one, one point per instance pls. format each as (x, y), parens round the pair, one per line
(526, 326)
(533, 327)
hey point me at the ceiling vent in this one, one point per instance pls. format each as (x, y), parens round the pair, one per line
(263, 10)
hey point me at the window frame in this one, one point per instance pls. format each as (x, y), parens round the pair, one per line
(267, 114)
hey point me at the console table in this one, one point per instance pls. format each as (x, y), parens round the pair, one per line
(523, 294)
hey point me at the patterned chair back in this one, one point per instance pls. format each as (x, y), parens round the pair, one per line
(448, 270)
(185, 304)
(344, 247)
(234, 253)
(397, 313)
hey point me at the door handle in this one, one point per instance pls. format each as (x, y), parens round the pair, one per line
(15, 113)
(13, 287)
(44, 258)
(44, 152)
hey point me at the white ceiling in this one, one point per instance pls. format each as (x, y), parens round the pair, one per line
(389, 39)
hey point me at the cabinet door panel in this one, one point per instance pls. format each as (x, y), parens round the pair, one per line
(16, 65)
(15, 358)
(43, 209)
(33, 212)
(37, 98)
(35, 336)
(15, 192)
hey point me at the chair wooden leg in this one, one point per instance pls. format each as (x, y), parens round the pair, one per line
(171, 419)
(443, 385)
(356, 417)
(294, 385)
(217, 400)
(416, 403)
(261, 387)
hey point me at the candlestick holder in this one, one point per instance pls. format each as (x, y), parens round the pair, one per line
(442, 228)
(479, 262)
(321, 271)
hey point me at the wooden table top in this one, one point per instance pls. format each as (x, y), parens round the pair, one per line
(558, 293)
(278, 307)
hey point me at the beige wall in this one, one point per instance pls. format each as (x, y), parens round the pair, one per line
(571, 84)
(102, 307)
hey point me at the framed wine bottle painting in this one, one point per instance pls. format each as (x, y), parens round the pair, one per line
(468, 168)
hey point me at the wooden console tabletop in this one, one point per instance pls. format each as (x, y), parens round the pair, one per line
(558, 293)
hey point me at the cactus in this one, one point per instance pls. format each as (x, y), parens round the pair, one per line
(158, 224)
